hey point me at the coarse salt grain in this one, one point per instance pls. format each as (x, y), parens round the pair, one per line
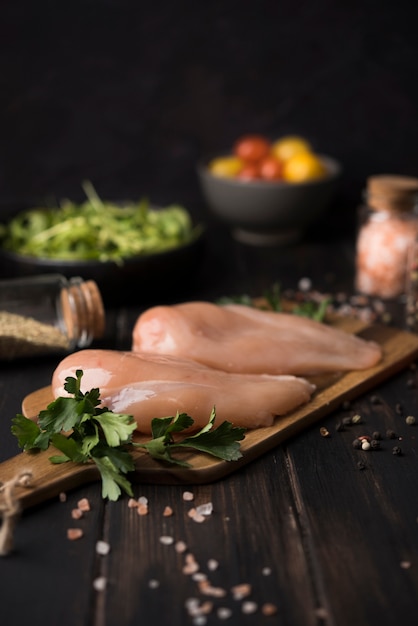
(208, 590)
(266, 571)
(168, 511)
(76, 513)
(249, 607)
(180, 547)
(241, 591)
(83, 505)
(224, 612)
(100, 583)
(62, 496)
(142, 509)
(213, 565)
(188, 496)
(132, 503)
(102, 547)
(153, 583)
(166, 540)
(74, 533)
(205, 509)
(142, 500)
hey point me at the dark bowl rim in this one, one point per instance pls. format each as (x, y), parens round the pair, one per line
(48, 262)
(336, 166)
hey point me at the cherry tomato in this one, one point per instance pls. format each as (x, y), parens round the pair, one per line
(250, 171)
(226, 167)
(251, 148)
(271, 168)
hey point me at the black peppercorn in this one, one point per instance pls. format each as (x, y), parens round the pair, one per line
(390, 434)
(361, 465)
(357, 444)
(397, 451)
(376, 435)
(375, 444)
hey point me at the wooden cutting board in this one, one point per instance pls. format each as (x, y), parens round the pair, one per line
(399, 349)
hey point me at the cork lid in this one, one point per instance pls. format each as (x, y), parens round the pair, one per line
(83, 312)
(389, 192)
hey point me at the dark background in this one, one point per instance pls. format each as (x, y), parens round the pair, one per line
(130, 94)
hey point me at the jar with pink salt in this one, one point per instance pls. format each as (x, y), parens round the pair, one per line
(388, 230)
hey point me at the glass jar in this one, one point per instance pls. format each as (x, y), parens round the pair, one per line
(48, 314)
(387, 230)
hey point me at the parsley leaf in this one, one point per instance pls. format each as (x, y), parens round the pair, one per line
(222, 442)
(84, 432)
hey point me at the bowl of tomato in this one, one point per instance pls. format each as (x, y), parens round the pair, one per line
(269, 191)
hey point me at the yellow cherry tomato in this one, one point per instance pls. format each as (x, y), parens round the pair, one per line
(286, 147)
(303, 167)
(227, 167)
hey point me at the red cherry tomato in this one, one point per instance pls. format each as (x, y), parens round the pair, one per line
(271, 169)
(250, 171)
(251, 148)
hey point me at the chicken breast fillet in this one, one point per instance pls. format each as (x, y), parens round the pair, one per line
(238, 338)
(147, 385)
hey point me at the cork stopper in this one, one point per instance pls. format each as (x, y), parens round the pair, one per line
(392, 193)
(83, 312)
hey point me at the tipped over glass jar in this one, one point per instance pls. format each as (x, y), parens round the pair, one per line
(48, 314)
(388, 230)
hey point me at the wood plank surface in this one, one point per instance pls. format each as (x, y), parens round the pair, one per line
(399, 349)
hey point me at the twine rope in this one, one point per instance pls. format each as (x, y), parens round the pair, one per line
(10, 509)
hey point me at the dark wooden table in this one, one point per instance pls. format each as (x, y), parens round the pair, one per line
(302, 528)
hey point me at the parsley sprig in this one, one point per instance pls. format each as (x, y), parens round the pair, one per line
(85, 432)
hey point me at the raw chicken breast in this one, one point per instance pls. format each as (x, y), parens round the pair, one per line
(238, 338)
(148, 385)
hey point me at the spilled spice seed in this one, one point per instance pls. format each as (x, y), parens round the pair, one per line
(324, 432)
(269, 609)
(410, 420)
(390, 434)
(376, 435)
(357, 444)
(356, 419)
(365, 445)
(397, 451)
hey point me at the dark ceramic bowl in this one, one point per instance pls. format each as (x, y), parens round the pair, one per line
(142, 279)
(264, 212)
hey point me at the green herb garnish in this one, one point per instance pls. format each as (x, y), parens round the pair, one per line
(274, 302)
(105, 438)
(97, 230)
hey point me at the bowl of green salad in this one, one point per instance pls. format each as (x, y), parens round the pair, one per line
(135, 251)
